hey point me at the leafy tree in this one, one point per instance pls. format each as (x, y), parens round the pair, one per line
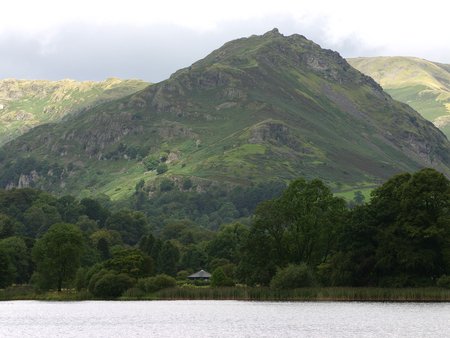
(20, 257)
(103, 247)
(110, 284)
(413, 235)
(294, 276)
(159, 282)
(218, 278)
(57, 255)
(303, 225)
(168, 259)
(95, 211)
(6, 226)
(133, 262)
(162, 168)
(187, 184)
(131, 226)
(151, 163)
(359, 197)
(7, 271)
(166, 185)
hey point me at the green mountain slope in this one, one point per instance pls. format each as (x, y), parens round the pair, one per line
(25, 104)
(259, 108)
(422, 84)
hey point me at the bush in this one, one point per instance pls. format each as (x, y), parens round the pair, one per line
(182, 275)
(293, 276)
(166, 185)
(218, 278)
(443, 282)
(161, 169)
(159, 282)
(112, 284)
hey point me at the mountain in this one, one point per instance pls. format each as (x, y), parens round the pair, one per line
(422, 84)
(261, 108)
(25, 104)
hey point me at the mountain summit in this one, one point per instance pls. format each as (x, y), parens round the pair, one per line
(258, 108)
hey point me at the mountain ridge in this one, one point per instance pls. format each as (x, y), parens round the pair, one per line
(258, 108)
(25, 104)
(423, 84)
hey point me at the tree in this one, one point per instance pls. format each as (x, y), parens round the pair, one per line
(6, 226)
(218, 278)
(131, 226)
(293, 276)
(162, 168)
(168, 259)
(57, 255)
(303, 225)
(413, 234)
(20, 257)
(103, 247)
(359, 197)
(7, 271)
(133, 262)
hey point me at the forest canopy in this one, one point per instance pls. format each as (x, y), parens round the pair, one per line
(300, 235)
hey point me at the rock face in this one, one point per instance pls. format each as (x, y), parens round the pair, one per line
(18, 99)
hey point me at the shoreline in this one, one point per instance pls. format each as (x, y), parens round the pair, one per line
(333, 294)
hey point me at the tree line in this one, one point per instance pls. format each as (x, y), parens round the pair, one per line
(304, 237)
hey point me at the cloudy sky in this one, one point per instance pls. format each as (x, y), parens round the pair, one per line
(97, 39)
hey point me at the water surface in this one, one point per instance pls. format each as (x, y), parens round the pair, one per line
(223, 319)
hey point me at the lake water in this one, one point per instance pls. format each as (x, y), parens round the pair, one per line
(222, 319)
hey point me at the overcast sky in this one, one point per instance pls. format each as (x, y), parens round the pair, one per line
(97, 39)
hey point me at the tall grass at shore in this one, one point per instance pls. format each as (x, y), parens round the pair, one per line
(245, 293)
(330, 294)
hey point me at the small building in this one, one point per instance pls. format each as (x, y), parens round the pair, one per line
(201, 275)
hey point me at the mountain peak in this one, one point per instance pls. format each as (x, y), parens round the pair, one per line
(274, 33)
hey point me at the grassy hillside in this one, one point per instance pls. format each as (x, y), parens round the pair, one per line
(25, 104)
(422, 84)
(261, 108)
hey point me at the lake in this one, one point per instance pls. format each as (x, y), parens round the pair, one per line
(223, 319)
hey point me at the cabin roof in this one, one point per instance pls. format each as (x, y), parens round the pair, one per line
(200, 274)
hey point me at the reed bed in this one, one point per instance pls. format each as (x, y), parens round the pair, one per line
(306, 294)
(28, 293)
(246, 293)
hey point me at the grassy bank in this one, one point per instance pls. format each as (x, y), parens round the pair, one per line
(252, 294)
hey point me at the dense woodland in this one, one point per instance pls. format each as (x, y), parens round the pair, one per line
(267, 234)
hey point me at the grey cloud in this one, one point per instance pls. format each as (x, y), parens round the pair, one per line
(84, 52)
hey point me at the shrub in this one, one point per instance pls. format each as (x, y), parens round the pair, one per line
(293, 276)
(218, 278)
(159, 282)
(161, 169)
(166, 185)
(443, 282)
(182, 275)
(112, 284)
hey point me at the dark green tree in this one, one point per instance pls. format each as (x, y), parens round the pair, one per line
(359, 197)
(218, 278)
(103, 247)
(7, 271)
(413, 234)
(20, 258)
(133, 262)
(168, 259)
(57, 255)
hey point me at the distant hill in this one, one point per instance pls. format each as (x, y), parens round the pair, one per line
(261, 108)
(25, 104)
(422, 84)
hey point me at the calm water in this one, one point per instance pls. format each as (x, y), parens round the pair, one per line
(223, 319)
